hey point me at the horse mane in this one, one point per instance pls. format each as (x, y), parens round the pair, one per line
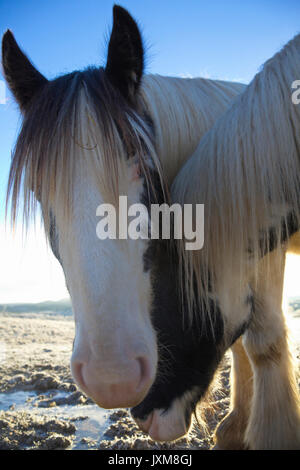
(246, 172)
(79, 117)
(182, 111)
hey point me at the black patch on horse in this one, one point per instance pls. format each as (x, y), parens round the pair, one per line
(274, 238)
(250, 300)
(188, 355)
(53, 237)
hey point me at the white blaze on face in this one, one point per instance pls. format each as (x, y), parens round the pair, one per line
(115, 344)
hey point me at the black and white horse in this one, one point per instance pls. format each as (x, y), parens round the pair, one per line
(88, 137)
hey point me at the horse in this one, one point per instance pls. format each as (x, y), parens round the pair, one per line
(87, 137)
(246, 171)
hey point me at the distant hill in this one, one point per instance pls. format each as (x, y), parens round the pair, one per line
(62, 307)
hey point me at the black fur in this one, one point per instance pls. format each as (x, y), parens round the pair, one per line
(189, 353)
(22, 77)
(152, 194)
(250, 301)
(53, 237)
(272, 239)
(188, 356)
(125, 62)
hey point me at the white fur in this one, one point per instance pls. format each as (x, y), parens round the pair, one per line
(109, 289)
(162, 425)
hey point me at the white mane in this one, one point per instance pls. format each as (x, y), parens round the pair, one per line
(246, 171)
(183, 109)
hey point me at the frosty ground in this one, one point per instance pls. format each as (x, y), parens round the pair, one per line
(41, 407)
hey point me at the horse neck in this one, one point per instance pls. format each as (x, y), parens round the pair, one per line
(246, 170)
(182, 110)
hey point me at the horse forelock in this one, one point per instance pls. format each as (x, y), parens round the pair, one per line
(79, 117)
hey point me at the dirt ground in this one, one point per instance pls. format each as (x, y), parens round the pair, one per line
(41, 407)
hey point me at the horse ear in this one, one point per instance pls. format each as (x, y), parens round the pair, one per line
(125, 61)
(21, 76)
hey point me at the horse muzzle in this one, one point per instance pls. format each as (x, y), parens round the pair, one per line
(109, 390)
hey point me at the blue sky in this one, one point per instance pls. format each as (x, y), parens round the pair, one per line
(215, 39)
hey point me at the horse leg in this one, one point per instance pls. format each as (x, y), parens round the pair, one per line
(274, 421)
(230, 433)
(236, 304)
